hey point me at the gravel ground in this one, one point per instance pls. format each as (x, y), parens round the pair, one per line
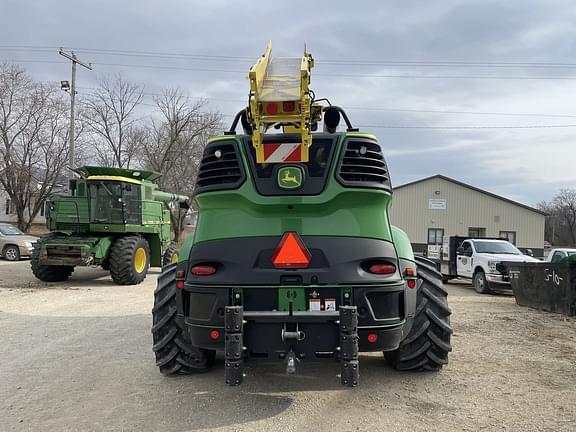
(77, 356)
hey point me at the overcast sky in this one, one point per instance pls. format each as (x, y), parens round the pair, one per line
(406, 70)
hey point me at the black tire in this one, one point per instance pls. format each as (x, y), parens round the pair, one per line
(48, 273)
(168, 257)
(11, 253)
(174, 353)
(481, 285)
(123, 260)
(427, 345)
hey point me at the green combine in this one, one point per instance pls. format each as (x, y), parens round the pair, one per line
(114, 218)
(293, 258)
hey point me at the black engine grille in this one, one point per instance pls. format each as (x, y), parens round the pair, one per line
(362, 164)
(221, 167)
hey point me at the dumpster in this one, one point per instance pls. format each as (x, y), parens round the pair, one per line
(545, 286)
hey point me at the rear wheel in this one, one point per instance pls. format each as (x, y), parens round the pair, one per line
(174, 353)
(129, 260)
(481, 285)
(48, 273)
(427, 345)
(11, 253)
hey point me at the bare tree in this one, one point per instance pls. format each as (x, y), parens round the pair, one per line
(561, 219)
(33, 141)
(111, 115)
(176, 143)
(565, 208)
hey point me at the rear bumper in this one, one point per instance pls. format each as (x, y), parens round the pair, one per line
(381, 313)
(320, 335)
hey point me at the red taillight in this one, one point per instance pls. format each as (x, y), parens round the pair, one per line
(291, 252)
(288, 106)
(271, 108)
(372, 337)
(180, 284)
(214, 334)
(411, 283)
(180, 274)
(410, 271)
(382, 268)
(203, 270)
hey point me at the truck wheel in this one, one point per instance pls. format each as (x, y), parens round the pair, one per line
(11, 253)
(129, 260)
(427, 345)
(170, 257)
(481, 285)
(48, 273)
(174, 354)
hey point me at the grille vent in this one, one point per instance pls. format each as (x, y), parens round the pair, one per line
(363, 165)
(221, 167)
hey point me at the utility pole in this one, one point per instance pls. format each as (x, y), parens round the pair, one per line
(74, 60)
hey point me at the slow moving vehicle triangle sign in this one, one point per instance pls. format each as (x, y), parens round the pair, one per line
(291, 252)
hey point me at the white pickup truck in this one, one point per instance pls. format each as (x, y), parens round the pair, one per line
(480, 260)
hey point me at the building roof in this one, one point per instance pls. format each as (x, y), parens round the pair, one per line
(459, 183)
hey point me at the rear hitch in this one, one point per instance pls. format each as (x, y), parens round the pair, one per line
(291, 363)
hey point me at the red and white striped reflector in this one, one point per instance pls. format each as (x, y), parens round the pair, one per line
(282, 152)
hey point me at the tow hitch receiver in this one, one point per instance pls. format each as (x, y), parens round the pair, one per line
(234, 345)
(350, 372)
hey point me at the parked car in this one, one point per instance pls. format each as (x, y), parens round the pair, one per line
(14, 244)
(558, 254)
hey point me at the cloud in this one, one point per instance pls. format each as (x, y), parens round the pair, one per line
(527, 164)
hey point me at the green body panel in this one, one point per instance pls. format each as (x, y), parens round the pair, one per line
(102, 248)
(106, 203)
(186, 247)
(402, 244)
(337, 211)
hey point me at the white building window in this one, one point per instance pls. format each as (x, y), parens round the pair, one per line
(508, 235)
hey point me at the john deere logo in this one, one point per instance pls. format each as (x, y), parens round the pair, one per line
(290, 177)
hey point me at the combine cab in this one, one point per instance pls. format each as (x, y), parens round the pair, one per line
(293, 258)
(114, 218)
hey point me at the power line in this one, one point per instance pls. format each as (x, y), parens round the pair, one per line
(405, 76)
(356, 108)
(559, 126)
(353, 62)
(471, 127)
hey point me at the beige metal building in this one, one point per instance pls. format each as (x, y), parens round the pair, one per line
(436, 206)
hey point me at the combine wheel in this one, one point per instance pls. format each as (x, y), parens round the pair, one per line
(174, 353)
(48, 273)
(170, 257)
(427, 345)
(129, 260)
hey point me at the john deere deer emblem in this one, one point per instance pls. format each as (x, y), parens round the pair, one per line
(290, 177)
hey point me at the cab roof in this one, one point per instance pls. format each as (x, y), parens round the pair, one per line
(136, 174)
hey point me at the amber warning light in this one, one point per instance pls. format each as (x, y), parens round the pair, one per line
(291, 252)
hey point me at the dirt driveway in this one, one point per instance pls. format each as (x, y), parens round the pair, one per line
(77, 357)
